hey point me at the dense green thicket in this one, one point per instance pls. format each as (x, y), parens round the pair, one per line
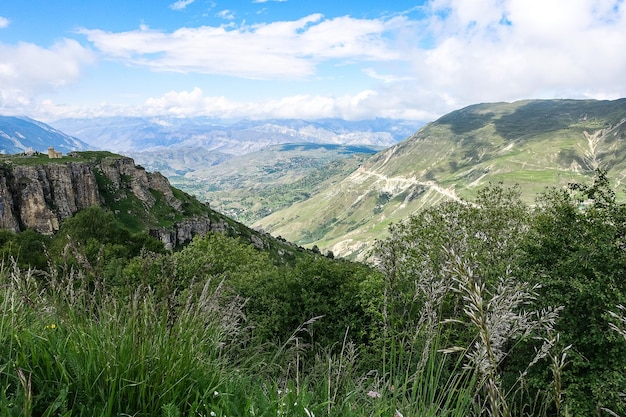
(488, 307)
(576, 250)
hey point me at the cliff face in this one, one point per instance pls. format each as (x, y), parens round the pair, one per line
(40, 196)
(44, 195)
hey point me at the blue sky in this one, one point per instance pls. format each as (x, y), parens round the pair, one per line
(303, 58)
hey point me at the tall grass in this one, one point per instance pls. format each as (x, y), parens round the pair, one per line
(70, 347)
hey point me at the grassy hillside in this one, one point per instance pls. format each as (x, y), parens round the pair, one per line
(100, 324)
(535, 144)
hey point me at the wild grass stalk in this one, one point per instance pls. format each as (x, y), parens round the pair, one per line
(61, 352)
(499, 315)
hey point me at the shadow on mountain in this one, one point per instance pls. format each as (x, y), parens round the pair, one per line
(545, 116)
(466, 120)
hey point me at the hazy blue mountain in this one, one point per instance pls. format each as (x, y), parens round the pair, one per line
(132, 134)
(20, 134)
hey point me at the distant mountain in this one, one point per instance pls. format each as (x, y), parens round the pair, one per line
(535, 144)
(20, 134)
(132, 134)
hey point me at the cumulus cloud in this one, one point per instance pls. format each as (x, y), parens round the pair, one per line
(180, 4)
(455, 51)
(27, 70)
(4, 22)
(449, 54)
(302, 106)
(490, 50)
(277, 50)
(362, 105)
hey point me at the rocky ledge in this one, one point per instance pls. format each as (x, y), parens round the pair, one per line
(39, 195)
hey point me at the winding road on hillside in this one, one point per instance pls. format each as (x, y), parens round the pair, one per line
(399, 181)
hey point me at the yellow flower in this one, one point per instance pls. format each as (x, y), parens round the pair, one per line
(51, 326)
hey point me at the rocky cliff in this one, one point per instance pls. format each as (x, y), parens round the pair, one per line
(38, 194)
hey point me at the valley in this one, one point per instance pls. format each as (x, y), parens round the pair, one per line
(530, 144)
(338, 185)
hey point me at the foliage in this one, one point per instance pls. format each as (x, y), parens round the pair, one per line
(27, 248)
(414, 257)
(130, 355)
(449, 279)
(575, 250)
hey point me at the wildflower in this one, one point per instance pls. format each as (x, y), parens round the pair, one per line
(51, 326)
(212, 413)
(215, 393)
(374, 394)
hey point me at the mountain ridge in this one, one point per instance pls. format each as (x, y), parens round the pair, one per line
(39, 193)
(23, 134)
(133, 134)
(532, 143)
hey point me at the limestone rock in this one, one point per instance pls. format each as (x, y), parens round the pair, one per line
(47, 194)
(8, 219)
(40, 196)
(182, 232)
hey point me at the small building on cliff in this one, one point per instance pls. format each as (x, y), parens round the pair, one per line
(52, 154)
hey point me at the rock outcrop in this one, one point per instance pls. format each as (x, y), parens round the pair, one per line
(183, 231)
(40, 196)
(44, 195)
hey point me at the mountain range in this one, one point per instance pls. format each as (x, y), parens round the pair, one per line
(532, 144)
(22, 134)
(130, 135)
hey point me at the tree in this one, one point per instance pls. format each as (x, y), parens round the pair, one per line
(28, 248)
(576, 250)
(485, 233)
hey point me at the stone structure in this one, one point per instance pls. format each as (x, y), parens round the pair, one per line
(52, 154)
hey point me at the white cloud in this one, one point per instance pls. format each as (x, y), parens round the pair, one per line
(226, 14)
(283, 49)
(180, 4)
(491, 50)
(27, 70)
(4, 22)
(455, 53)
(388, 78)
(305, 106)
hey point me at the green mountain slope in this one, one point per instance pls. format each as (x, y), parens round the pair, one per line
(534, 143)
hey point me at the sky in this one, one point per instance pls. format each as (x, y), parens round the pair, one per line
(304, 59)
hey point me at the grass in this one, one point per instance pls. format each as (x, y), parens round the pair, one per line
(42, 158)
(69, 346)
